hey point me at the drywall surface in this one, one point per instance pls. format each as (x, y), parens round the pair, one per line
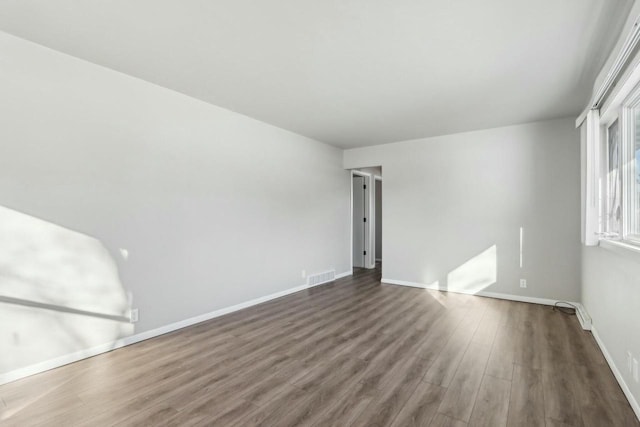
(213, 208)
(611, 295)
(454, 205)
(375, 170)
(610, 275)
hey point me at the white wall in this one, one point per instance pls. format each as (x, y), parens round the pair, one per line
(611, 278)
(214, 208)
(453, 207)
(374, 170)
(611, 295)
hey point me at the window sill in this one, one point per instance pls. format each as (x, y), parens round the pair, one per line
(622, 247)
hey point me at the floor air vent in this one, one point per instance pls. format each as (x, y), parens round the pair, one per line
(320, 278)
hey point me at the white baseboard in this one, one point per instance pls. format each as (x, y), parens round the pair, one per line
(616, 372)
(510, 297)
(520, 298)
(583, 317)
(345, 274)
(103, 348)
(404, 283)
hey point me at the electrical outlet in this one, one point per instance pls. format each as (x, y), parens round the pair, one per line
(134, 316)
(635, 369)
(304, 273)
(523, 283)
(629, 361)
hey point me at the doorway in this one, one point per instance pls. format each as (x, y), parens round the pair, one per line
(378, 218)
(359, 210)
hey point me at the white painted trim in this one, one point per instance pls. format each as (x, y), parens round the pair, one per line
(520, 298)
(582, 117)
(616, 372)
(122, 342)
(367, 239)
(617, 245)
(374, 220)
(376, 178)
(370, 260)
(510, 297)
(404, 283)
(345, 274)
(619, 94)
(583, 317)
(618, 67)
(590, 172)
(351, 175)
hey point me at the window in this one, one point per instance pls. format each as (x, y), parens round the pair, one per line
(613, 205)
(634, 178)
(621, 170)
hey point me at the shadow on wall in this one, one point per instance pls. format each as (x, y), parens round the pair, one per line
(60, 292)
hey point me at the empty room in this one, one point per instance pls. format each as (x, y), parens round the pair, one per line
(320, 213)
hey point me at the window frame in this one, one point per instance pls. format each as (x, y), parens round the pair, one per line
(625, 115)
(605, 209)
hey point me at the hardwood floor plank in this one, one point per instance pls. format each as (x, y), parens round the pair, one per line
(441, 420)
(354, 352)
(346, 409)
(275, 409)
(502, 359)
(323, 395)
(561, 402)
(492, 403)
(529, 338)
(421, 407)
(264, 391)
(385, 407)
(440, 333)
(526, 404)
(461, 395)
(599, 402)
(444, 367)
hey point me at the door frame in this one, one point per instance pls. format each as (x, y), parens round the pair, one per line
(367, 238)
(374, 220)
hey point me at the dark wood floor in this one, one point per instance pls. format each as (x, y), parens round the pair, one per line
(351, 353)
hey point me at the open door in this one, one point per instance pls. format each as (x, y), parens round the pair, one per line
(359, 211)
(378, 218)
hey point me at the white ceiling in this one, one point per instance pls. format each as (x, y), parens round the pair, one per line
(347, 72)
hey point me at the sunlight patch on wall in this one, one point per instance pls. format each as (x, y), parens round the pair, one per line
(55, 269)
(476, 274)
